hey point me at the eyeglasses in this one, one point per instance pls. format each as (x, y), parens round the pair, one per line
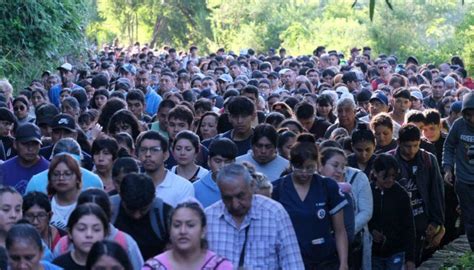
(153, 150)
(309, 170)
(383, 67)
(19, 108)
(41, 216)
(67, 175)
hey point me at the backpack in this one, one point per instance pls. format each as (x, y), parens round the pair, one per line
(155, 213)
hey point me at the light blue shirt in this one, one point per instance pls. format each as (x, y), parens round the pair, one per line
(152, 100)
(206, 190)
(272, 169)
(39, 182)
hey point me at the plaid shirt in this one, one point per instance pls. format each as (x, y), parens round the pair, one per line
(271, 242)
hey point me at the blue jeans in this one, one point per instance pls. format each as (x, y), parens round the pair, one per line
(394, 262)
(465, 194)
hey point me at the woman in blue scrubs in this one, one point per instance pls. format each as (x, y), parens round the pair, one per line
(314, 204)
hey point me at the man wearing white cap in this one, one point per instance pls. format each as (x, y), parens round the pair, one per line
(67, 76)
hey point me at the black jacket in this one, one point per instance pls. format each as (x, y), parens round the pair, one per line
(429, 182)
(393, 217)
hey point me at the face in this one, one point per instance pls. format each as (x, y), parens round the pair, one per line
(384, 179)
(236, 196)
(107, 263)
(20, 110)
(100, 101)
(328, 79)
(438, 90)
(103, 161)
(28, 151)
(323, 110)
(264, 88)
(37, 99)
(334, 167)
(306, 171)
(141, 81)
(383, 135)
(88, 230)
(241, 123)
(152, 155)
(263, 151)
(363, 151)
(25, 255)
(209, 84)
(306, 123)
(136, 107)
(63, 179)
(184, 152)
(38, 217)
(10, 210)
(346, 115)
(186, 230)
(166, 83)
(234, 71)
(68, 109)
(313, 77)
(208, 127)
(401, 105)
(163, 117)
(6, 128)
(285, 150)
(384, 69)
(416, 104)
(60, 133)
(123, 127)
(468, 115)
(408, 150)
(175, 126)
(218, 162)
(63, 95)
(432, 132)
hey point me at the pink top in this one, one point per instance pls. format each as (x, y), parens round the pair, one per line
(211, 262)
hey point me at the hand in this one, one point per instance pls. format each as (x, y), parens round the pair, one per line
(95, 131)
(410, 265)
(448, 177)
(378, 237)
(431, 230)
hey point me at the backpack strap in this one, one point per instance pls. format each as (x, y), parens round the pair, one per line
(115, 205)
(157, 218)
(121, 239)
(353, 177)
(63, 245)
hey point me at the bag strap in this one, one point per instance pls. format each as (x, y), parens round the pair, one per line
(353, 177)
(121, 239)
(242, 252)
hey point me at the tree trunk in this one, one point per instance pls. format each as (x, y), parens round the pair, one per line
(156, 31)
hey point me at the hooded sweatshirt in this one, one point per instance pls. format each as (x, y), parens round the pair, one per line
(458, 150)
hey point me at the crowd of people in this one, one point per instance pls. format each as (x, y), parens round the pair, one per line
(158, 159)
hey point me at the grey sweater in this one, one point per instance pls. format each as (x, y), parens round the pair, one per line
(455, 151)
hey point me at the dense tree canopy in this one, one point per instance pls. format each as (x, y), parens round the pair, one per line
(38, 34)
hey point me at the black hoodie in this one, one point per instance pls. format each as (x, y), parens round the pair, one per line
(393, 217)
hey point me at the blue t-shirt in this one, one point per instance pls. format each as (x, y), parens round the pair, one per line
(152, 100)
(55, 91)
(311, 217)
(14, 175)
(39, 182)
(206, 190)
(50, 266)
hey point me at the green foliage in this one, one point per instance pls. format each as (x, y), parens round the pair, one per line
(464, 263)
(36, 34)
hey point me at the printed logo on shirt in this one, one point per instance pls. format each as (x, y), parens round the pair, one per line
(321, 213)
(320, 204)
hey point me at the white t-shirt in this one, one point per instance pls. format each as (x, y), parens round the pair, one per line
(174, 189)
(61, 214)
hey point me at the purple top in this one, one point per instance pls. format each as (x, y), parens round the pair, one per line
(13, 174)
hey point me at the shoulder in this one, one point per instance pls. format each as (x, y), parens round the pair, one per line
(214, 261)
(263, 204)
(177, 180)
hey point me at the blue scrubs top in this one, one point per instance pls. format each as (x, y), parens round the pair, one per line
(311, 218)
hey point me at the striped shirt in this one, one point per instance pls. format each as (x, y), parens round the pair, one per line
(271, 240)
